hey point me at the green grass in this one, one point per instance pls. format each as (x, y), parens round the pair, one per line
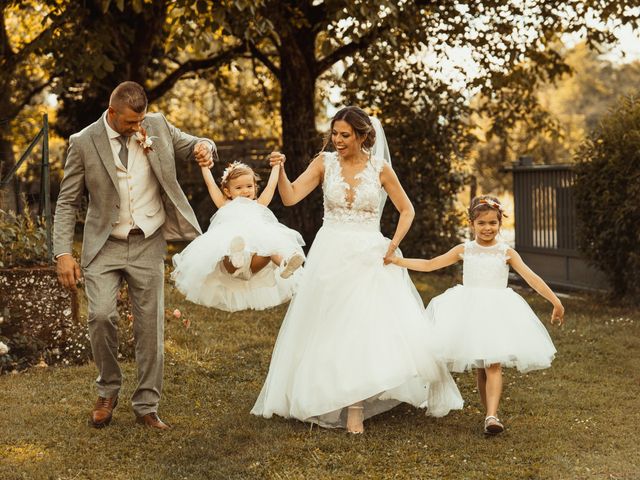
(577, 420)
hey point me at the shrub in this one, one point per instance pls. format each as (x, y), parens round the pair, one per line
(22, 240)
(38, 318)
(607, 192)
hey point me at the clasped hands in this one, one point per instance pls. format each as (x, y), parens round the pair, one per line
(204, 153)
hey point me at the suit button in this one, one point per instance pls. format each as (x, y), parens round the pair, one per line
(117, 206)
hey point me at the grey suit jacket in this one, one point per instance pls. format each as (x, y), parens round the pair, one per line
(90, 166)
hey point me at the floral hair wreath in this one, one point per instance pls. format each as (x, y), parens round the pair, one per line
(231, 168)
(491, 203)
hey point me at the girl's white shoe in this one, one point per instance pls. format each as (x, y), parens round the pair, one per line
(238, 256)
(290, 265)
(492, 425)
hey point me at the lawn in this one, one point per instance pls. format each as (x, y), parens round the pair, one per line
(578, 420)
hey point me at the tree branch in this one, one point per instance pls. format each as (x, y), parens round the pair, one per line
(264, 59)
(15, 109)
(349, 49)
(192, 66)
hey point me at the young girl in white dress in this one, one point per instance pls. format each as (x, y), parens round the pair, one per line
(246, 259)
(352, 343)
(482, 323)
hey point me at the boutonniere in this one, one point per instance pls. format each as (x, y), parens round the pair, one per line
(144, 141)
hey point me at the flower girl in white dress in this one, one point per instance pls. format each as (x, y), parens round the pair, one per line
(352, 344)
(482, 323)
(246, 259)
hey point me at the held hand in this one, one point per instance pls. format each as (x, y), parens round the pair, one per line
(276, 158)
(557, 315)
(204, 154)
(390, 256)
(69, 273)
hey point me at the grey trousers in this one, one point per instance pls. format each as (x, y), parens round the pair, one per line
(139, 261)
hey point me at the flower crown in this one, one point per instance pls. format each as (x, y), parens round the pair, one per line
(491, 203)
(231, 168)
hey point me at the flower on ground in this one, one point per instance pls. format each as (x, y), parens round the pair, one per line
(186, 322)
(3, 349)
(177, 313)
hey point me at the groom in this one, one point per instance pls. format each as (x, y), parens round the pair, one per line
(126, 162)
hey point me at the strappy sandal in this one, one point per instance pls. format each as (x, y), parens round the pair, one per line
(493, 426)
(358, 413)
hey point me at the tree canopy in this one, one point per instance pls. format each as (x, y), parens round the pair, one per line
(293, 47)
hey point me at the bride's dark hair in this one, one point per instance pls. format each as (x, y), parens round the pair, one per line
(359, 121)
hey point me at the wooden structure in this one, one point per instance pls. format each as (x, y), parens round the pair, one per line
(546, 225)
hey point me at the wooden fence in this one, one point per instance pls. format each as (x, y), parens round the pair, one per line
(546, 225)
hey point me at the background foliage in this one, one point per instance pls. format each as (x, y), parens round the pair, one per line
(607, 189)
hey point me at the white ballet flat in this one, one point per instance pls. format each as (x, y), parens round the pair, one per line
(290, 265)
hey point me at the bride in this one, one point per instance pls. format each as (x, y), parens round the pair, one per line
(354, 342)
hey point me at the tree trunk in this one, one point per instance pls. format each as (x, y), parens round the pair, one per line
(8, 194)
(301, 141)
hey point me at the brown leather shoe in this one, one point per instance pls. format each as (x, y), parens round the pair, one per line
(103, 411)
(152, 420)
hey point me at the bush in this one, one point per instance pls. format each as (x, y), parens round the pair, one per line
(38, 318)
(607, 192)
(22, 240)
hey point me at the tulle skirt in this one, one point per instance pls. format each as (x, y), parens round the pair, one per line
(477, 327)
(354, 332)
(200, 275)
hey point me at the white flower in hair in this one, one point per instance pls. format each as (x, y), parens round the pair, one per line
(231, 168)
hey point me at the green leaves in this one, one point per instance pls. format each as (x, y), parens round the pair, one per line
(606, 191)
(22, 240)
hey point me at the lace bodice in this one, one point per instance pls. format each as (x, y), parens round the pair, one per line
(485, 266)
(367, 194)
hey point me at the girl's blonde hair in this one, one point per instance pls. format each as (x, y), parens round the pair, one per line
(485, 203)
(235, 170)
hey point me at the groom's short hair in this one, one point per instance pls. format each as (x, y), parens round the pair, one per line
(129, 94)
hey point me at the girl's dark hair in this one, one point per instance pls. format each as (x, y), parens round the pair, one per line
(485, 203)
(359, 121)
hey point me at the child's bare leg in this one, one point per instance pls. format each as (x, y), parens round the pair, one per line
(228, 266)
(493, 388)
(258, 263)
(277, 259)
(481, 381)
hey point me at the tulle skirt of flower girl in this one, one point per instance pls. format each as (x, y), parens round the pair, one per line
(200, 275)
(354, 332)
(477, 327)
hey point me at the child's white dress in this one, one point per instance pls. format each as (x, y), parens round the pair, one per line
(482, 321)
(200, 275)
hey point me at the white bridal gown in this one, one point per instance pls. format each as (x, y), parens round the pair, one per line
(355, 329)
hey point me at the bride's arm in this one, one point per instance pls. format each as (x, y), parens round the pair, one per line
(292, 192)
(401, 201)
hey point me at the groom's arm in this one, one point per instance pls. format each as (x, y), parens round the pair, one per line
(184, 143)
(64, 222)
(69, 199)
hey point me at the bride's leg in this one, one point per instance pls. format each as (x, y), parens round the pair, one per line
(355, 418)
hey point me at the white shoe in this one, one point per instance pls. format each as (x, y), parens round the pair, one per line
(290, 265)
(238, 256)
